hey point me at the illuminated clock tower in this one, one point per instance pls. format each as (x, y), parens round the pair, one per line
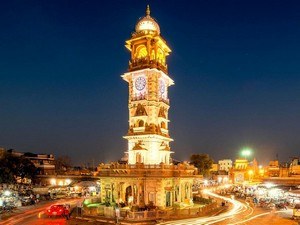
(150, 178)
(148, 103)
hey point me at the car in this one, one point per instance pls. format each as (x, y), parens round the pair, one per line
(58, 210)
(25, 200)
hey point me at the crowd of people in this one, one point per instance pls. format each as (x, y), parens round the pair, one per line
(17, 195)
(262, 195)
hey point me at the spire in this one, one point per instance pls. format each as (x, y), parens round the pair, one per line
(148, 10)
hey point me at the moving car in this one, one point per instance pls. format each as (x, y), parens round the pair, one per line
(59, 210)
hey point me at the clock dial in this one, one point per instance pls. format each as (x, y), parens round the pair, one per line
(140, 83)
(162, 86)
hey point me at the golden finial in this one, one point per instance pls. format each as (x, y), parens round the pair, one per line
(148, 10)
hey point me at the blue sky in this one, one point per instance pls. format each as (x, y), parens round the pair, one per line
(235, 65)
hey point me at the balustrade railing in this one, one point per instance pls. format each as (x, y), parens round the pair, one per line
(145, 63)
(175, 213)
(141, 169)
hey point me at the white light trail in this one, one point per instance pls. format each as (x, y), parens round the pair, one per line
(237, 208)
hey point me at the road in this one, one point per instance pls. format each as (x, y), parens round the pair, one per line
(240, 214)
(35, 215)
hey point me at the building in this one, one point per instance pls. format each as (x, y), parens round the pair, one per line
(239, 171)
(45, 163)
(225, 164)
(149, 177)
(273, 168)
(214, 168)
(241, 164)
(295, 166)
(2, 152)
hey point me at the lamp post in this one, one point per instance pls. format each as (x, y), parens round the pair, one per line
(246, 152)
(250, 173)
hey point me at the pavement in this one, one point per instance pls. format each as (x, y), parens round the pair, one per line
(22, 209)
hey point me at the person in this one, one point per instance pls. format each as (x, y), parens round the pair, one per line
(37, 198)
(67, 211)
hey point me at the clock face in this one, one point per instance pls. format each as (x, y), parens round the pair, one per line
(162, 86)
(140, 83)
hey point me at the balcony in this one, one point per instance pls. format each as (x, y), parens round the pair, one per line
(142, 170)
(164, 131)
(145, 63)
(139, 97)
(138, 129)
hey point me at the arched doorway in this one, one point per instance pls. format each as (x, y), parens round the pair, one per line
(168, 198)
(141, 123)
(128, 195)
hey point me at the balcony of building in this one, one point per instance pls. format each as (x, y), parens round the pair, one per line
(138, 129)
(139, 97)
(142, 170)
(164, 131)
(144, 63)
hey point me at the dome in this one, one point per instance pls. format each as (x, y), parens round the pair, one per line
(147, 23)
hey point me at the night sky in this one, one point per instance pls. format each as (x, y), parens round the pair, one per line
(236, 67)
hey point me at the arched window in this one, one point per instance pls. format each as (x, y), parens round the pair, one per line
(160, 56)
(141, 52)
(163, 125)
(138, 158)
(141, 123)
(152, 55)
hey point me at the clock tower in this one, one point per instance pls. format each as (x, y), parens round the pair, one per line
(148, 80)
(149, 178)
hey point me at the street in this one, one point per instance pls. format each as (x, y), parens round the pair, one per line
(240, 213)
(36, 215)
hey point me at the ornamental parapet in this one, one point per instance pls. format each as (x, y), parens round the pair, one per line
(133, 132)
(148, 129)
(142, 170)
(145, 63)
(139, 97)
(145, 97)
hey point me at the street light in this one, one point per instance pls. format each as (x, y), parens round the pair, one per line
(246, 152)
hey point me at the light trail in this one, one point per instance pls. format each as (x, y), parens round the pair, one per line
(251, 218)
(237, 208)
(17, 219)
(258, 215)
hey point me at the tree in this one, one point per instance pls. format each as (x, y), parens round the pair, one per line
(203, 162)
(13, 167)
(62, 164)
(25, 169)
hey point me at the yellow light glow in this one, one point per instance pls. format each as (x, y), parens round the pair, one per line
(67, 181)
(130, 199)
(53, 181)
(147, 25)
(261, 171)
(269, 185)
